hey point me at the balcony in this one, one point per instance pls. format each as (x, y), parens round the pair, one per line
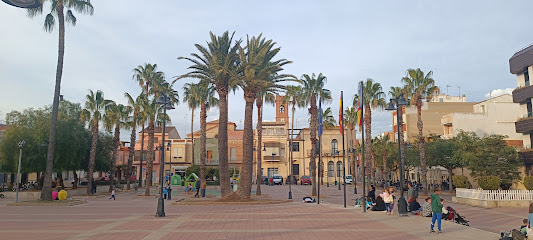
(270, 158)
(447, 120)
(524, 125)
(522, 94)
(527, 156)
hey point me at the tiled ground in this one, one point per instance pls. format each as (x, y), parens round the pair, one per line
(132, 218)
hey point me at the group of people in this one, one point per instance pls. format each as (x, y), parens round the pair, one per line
(199, 187)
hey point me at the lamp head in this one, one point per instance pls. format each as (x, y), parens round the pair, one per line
(161, 100)
(21, 143)
(391, 106)
(402, 101)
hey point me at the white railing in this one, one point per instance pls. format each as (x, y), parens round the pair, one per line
(495, 195)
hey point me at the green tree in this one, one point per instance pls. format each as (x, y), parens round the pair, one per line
(57, 11)
(440, 153)
(420, 86)
(383, 149)
(95, 106)
(191, 96)
(312, 90)
(217, 64)
(258, 71)
(374, 98)
(116, 116)
(133, 121)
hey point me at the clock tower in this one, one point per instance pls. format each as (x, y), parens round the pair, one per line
(282, 110)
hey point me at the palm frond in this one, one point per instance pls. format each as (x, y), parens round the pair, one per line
(49, 23)
(70, 18)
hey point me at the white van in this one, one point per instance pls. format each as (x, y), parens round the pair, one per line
(277, 180)
(348, 179)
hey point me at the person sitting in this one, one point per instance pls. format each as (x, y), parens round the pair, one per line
(378, 205)
(372, 193)
(414, 206)
(426, 209)
(445, 212)
(369, 203)
(524, 227)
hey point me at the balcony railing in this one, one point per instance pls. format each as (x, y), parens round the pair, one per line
(522, 94)
(524, 125)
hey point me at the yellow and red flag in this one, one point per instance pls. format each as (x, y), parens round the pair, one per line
(360, 108)
(340, 114)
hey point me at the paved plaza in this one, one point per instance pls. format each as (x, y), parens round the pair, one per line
(133, 218)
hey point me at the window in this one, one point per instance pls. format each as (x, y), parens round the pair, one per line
(295, 146)
(483, 108)
(526, 78)
(282, 152)
(295, 169)
(330, 169)
(272, 171)
(281, 109)
(210, 157)
(232, 154)
(441, 99)
(339, 168)
(334, 146)
(529, 109)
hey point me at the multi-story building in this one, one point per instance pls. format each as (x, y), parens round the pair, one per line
(496, 115)
(521, 64)
(441, 97)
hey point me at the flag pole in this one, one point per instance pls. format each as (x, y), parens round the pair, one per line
(341, 113)
(363, 144)
(319, 146)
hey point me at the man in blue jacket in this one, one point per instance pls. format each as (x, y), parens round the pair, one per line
(436, 208)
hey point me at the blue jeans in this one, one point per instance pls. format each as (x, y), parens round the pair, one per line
(438, 217)
(388, 207)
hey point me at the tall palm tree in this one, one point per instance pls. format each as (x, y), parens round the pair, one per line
(312, 90)
(383, 147)
(57, 11)
(395, 92)
(133, 121)
(420, 86)
(327, 118)
(264, 96)
(216, 64)
(295, 98)
(374, 98)
(350, 117)
(95, 105)
(116, 116)
(258, 71)
(143, 119)
(191, 96)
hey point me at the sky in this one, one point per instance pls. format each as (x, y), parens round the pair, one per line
(467, 45)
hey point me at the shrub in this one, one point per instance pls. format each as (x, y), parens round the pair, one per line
(528, 182)
(461, 182)
(489, 182)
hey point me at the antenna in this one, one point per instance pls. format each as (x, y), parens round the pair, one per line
(447, 86)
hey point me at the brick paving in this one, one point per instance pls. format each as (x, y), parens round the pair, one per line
(133, 218)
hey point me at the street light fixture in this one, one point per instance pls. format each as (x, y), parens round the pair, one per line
(396, 104)
(21, 144)
(165, 102)
(24, 3)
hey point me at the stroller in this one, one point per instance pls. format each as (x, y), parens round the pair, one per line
(455, 217)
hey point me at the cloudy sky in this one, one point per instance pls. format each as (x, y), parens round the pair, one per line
(467, 44)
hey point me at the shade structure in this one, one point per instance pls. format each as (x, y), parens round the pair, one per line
(24, 3)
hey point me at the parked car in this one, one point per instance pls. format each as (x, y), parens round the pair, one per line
(264, 180)
(305, 180)
(348, 179)
(277, 179)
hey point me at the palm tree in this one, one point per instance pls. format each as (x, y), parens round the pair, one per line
(57, 11)
(383, 147)
(216, 64)
(133, 121)
(95, 105)
(420, 86)
(374, 98)
(143, 118)
(312, 89)
(295, 98)
(115, 116)
(191, 96)
(264, 96)
(395, 92)
(257, 72)
(327, 119)
(350, 117)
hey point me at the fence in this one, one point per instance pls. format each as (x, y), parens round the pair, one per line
(495, 195)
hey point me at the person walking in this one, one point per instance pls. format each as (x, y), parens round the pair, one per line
(203, 187)
(113, 195)
(197, 186)
(93, 186)
(165, 192)
(436, 208)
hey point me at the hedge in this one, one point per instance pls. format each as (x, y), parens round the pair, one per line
(461, 182)
(489, 182)
(528, 182)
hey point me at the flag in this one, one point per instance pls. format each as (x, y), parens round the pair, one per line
(320, 125)
(360, 108)
(340, 114)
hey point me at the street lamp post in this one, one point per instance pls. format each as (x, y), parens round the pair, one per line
(164, 101)
(327, 174)
(396, 104)
(21, 144)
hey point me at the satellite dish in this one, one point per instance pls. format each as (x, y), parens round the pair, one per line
(24, 3)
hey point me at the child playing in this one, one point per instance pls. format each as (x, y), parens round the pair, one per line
(524, 227)
(436, 208)
(113, 195)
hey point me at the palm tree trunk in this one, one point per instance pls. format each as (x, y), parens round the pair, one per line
(245, 185)
(132, 153)
(91, 158)
(225, 186)
(259, 129)
(142, 157)
(46, 192)
(116, 140)
(368, 140)
(192, 135)
(203, 137)
(312, 163)
(150, 160)
(384, 174)
(75, 185)
(421, 145)
(373, 156)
